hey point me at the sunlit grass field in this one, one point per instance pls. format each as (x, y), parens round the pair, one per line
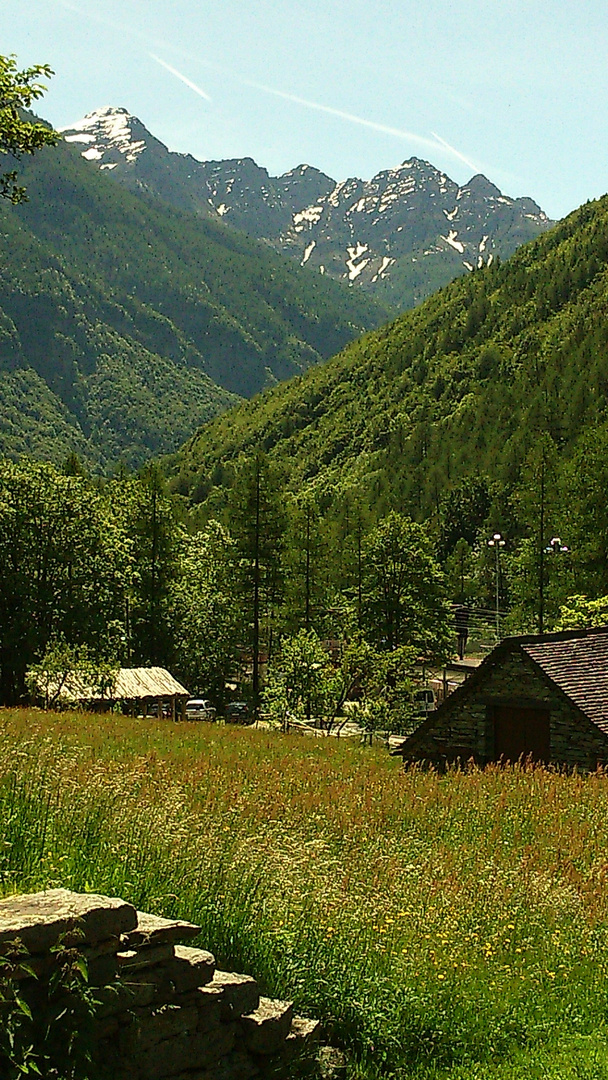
(440, 926)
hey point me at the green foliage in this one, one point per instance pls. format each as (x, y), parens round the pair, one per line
(404, 594)
(48, 1027)
(436, 415)
(66, 569)
(205, 611)
(259, 522)
(463, 513)
(579, 612)
(305, 683)
(69, 667)
(18, 89)
(298, 683)
(148, 518)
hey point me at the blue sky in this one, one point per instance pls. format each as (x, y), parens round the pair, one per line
(516, 89)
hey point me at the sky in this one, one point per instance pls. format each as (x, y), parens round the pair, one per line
(515, 89)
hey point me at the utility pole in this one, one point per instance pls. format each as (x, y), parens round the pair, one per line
(541, 545)
(256, 596)
(497, 542)
(307, 600)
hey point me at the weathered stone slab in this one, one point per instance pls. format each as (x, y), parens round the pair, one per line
(148, 956)
(203, 998)
(333, 1063)
(191, 968)
(235, 1066)
(122, 998)
(302, 1041)
(187, 1052)
(267, 1028)
(39, 920)
(304, 1030)
(100, 960)
(241, 993)
(102, 970)
(154, 930)
(155, 1025)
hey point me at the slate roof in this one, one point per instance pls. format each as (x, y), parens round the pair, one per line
(577, 662)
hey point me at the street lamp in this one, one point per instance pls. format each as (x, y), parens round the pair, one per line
(497, 542)
(554, 547)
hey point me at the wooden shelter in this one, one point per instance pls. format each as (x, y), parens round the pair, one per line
(540, 697)
(138, 689)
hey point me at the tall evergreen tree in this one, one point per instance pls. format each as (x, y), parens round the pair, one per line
(258, 522)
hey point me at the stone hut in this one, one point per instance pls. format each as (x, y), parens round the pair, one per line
(539, 697)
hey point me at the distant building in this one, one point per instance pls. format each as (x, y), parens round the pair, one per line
(540, 697)
(146, 689)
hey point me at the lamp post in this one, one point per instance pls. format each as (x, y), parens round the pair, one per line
(497, 542)
(554, 547)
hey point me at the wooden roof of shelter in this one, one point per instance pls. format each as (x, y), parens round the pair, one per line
(130, 684)
(574, 661)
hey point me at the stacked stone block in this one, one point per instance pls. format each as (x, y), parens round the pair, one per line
(165, 1012)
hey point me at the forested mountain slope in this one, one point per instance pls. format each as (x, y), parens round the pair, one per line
(125, 324)
(462, 385)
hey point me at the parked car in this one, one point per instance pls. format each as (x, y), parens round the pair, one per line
(238, 712)
(199, 709)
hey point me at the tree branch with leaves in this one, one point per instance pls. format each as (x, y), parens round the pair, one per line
(19, 136)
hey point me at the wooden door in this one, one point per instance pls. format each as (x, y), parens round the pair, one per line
(521, 732)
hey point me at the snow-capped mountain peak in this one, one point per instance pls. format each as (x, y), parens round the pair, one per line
(106, 132)
(403, 233)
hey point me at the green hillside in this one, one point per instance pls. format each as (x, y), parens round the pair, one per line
(125, 325)
(462, 385)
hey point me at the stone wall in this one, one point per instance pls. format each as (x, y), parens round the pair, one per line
(464, 727)
(164, 1010)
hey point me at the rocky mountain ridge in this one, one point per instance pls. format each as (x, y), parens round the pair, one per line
(403, 234)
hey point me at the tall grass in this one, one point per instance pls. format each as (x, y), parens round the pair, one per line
(440, 926)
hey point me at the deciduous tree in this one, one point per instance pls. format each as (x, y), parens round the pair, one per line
(19, 136)
(404, 592)
(205, 611)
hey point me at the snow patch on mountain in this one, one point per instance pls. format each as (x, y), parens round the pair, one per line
(454, 242)
(386, 262)
(308, 252)
(355, 253)
(309, 216)
(108, 128)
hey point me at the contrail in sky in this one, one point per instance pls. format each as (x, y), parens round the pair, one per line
(456, 153)
(331, 111)
(178, 75)
(434, 143)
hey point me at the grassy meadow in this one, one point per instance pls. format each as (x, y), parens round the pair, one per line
(441, 926)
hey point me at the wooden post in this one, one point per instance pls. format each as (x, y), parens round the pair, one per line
(159, 708)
